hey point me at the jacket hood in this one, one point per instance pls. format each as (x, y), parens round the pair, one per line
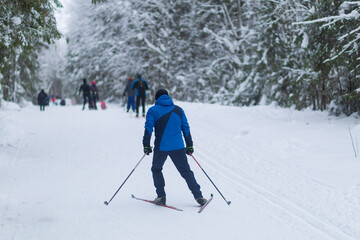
(164, 100)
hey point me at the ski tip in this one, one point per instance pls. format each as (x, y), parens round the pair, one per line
(229, 202)
(106, 203)
(132, 195)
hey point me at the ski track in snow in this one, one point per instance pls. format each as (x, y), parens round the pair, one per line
(58, 166)
(295, 210)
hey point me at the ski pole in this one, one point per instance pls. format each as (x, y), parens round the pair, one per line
(228, 202)
(107, 202)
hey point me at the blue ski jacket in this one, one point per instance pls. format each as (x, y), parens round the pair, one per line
(170, 125)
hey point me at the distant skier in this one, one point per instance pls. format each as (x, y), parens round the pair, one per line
(94, 95)
(141, 86)
(42, 99)
(170, 125)
(85, 88)
(130, 94)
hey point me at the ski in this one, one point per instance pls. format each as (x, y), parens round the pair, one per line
(161, 205)
(207, 203)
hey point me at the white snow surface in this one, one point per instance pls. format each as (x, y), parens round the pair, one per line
(289, 174)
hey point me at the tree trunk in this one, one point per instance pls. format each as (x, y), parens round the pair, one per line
(323, 95)
(6, 82)
(13, 79)
(239, 22)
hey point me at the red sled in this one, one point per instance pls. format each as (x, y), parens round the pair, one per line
(103, 105)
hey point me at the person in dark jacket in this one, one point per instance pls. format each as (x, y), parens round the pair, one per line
(85, 88)
(130, 95)
(141, 86)
(94, 95)
(170, 125)
(42, 99)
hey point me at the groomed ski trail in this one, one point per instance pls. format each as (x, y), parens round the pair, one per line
(58, 166)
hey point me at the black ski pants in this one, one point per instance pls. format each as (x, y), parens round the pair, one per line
(140, 98)
(86, 99)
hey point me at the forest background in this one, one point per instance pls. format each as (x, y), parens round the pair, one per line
(293, 53)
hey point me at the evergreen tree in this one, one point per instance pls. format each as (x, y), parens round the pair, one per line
(23, 26)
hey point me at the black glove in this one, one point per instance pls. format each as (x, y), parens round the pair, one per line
(147, 150)
(189, 150)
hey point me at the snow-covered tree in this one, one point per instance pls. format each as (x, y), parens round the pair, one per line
(240, 52)
(24, 26)
(334, 43)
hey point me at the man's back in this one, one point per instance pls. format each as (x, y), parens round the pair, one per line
(169, 122)
(41, 97)
(128, 90)
(141, 86)
(85, 88)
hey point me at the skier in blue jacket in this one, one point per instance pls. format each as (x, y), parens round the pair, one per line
(170, 125)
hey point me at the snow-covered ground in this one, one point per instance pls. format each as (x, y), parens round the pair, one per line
(289, 174)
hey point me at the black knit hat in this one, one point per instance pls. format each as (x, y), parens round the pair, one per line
(160, 92)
